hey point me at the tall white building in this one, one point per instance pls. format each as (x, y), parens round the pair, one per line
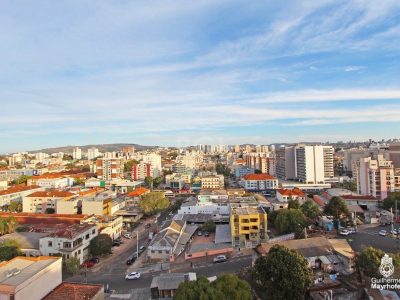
(154, 160)
(313, 163)
(92, 153)
(285, 163)
(77, 153)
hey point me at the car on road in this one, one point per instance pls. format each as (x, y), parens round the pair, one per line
(127, 235)
(220, 259)
(383, 232)
(142, 249)
(88, 264)
(344, 232)
(133, 275)
(131, 260)
(95, 260)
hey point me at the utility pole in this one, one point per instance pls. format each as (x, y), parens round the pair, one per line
(137, 244)
(391, 212)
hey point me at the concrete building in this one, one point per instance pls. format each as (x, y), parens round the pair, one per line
(259, 182)
(77, 153)
(285, 163)
(394, 154)
(375, 177)
(112, 226)
(40, 201)
(68, 206)
(240, 171)
(213, 182)
(154, 160)
(313, 163)
(284, 195)
(72, 241)
(23, 278)
(109, 168)
(248, 226)
(99, 205)
(17, 193)
(165, 285)
(75, 291)
(93, 153)
(141, 170)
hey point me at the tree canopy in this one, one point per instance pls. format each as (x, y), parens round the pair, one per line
(129, 165)
(23, 179)
(337, 208)
(153, 202)
(100, 245)
(282, 274)
(9, 249)
(390, 201)
(222, 169)
(226, 287)
(310, 209)
(15, 206)
(209, 226)
(293, 203)
(7, 225)
(72, 265)
(148, 180)
(289, 220)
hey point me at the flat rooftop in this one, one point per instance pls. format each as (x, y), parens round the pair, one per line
(23, 268)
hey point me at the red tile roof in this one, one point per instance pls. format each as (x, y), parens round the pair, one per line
(318, 200)
(294, 192)
(51, 193)
(32, 218)
(138, 192)
(74, 291)
(18, 189)
(258, 177)
(72, 231)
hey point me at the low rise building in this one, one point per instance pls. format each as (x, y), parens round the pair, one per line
(98, 205)
(111, 226)
(165, 285)
(32, 278)
(40, 201)
(76, 291)
(213, 182)
(259, 182)
(248, 225)
(72, 241)
(17, 193)
(284, 195)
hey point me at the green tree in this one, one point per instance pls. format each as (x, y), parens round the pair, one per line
(310, 209)
(23, 179)
(369, 260)
(50, 210)
(226, 287)
(337, 208)
(153, 202)
(293, 203)
(15, 206)
(128, 166)
(157, 181)
(100, 245)
(72, 265)
(282, 274)
(148, 180)
(209, 226)
(288, 220)
(9, 249)
(257, 171)
(222, 169)
(7, 225)
(390, 201)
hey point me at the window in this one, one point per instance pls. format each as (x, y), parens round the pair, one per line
(87, 236)
(93, 231)
(160, 251)
(50, 244)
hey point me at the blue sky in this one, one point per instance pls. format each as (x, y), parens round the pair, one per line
(191, 72)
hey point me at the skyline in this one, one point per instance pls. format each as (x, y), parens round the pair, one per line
(173, 73)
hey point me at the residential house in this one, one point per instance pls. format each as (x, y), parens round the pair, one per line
(40, 201)
(284, 195)
(165, 285)
(259, 182)
(17, 193)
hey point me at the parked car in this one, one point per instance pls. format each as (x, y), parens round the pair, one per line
(131, 260)
(206, 234)
(344, 232)
(142, 249)
(133, 275)
(127, 236)
(394, 231)
(199, 233)
(383, 233)
(95, 260)
(220, 259)
(88, 264)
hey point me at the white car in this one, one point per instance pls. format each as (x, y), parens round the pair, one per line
(220, 259)
(383, 233)
(394, 231)
(128, 236)
(344, 232)
(133, 275)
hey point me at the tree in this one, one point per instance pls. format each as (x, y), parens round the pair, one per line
(293, 203)
(15, 206)
(369, 260)
(282, 274)
(288, 220)
(310, 209)
(7, 225)
(157, 181)
(337, 208)
(153, 202)
(128, 166)
(222, 169)
(72, 265)
(23, 179)
(9, 249)
(50, 210)
(209, 226)
(226, 287)
(390, 201)
(148, 180)
(257, 171)
(100, 245)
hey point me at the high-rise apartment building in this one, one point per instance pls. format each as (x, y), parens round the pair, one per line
(93, 153)
(77, 153)
(109, 168)
(285, 163)
(154, 160)
(141, 171)
(375, 177)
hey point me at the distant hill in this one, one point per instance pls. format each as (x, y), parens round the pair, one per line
(101, 147)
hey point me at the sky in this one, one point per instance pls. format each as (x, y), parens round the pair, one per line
(178, 73)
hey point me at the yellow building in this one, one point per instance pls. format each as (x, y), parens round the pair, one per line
(248, 226)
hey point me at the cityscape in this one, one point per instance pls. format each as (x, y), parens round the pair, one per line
(202, 150)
